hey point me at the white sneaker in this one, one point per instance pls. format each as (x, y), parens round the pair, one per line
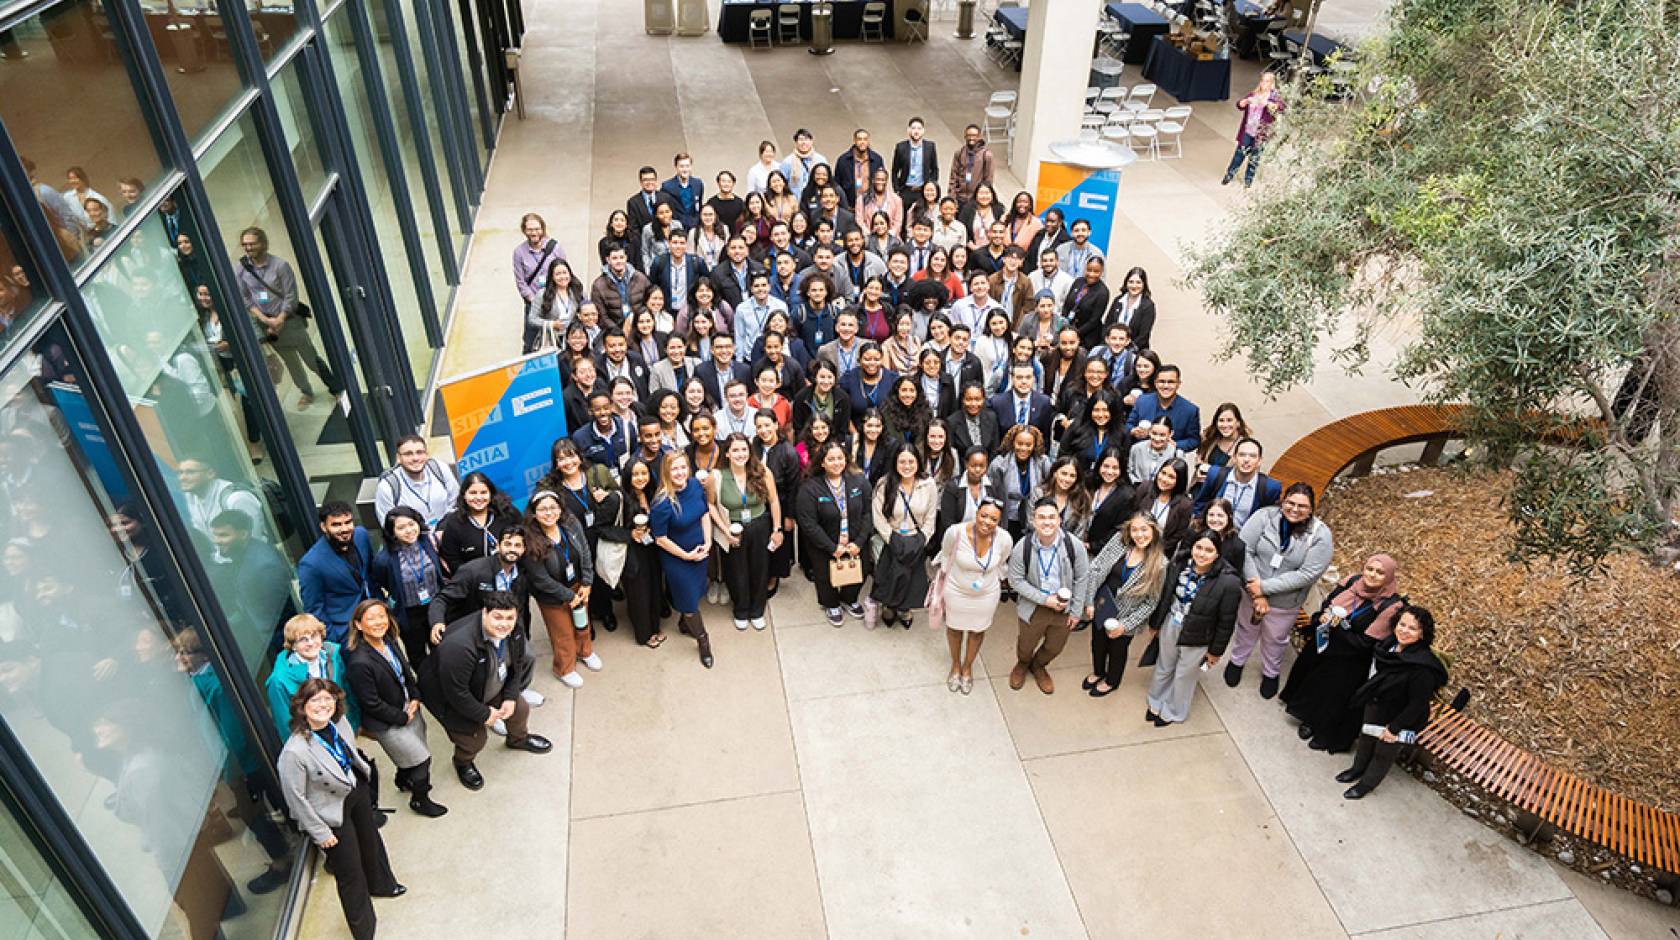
(500, 727)
(532, 697)
(740, 624)
(572, 680)
(758, 623)
(592, 662)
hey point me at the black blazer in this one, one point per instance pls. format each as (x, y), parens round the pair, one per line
(1040, 411)
(640, 215)
(463, 594)
(452, 678)
(707, 373)
(1212, 614)
(638, 373)
(819, 517)
(844, 170)
(947, 398)
(1143, 319)
(901, 165)
(1107, 518)
(459, 541)
(971, 372)
(1039, 246)
(876, 468)
(1177, 526)
(793, 374)
(990, 434)
(1086, 311)
(377, 688)
(802, 410)
(723, 280)
(1050, 359)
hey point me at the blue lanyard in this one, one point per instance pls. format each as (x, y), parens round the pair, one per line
(1055, 557)
(870, 394)
(846, 360)
(484, 530)
(1097, 445)
(336, 747)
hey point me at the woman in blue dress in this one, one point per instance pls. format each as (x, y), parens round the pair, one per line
(679, 525)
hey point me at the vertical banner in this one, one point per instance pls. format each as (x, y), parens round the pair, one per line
(1081, 193)
(73, 405)
(504, 419)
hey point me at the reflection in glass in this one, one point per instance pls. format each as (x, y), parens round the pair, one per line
(463, 29)
(155, 320)
(242, 196)
(429, 109)
(105, 683)
(75, 155)
(20, 298)
(377, 176)
(197, 55)
(274, 24)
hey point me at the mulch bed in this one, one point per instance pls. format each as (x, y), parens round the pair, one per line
(1585, 674)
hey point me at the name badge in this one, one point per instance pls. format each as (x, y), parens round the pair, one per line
(264, 297)
(1277, 559)
(589, 518)
(425, 597)
(501, 671)
(571, 571)
(977, 584)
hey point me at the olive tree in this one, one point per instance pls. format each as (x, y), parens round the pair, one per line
(1503, 181)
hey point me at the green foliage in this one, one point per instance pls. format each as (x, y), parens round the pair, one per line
(1506, 183)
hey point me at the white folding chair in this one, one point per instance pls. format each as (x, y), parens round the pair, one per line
(1114, 93)
(874, 22)
(1169, 130)
(1143, 140)
(758, 29)
(996, 126)
(1140, 97)
(1003, 99)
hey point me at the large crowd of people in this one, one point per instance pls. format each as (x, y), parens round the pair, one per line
(925, 398)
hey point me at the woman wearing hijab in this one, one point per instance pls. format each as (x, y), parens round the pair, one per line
(1395, 701)
(1336, 660)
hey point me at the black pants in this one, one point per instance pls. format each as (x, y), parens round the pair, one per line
(359, 864)
(1108, 654)
(416, 635)
(1372, 757)
(746, 569)
(828, 595)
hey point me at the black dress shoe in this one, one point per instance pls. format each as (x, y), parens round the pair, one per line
(1160, 722)
(379, 818)
(535, 743)
(425, 807)
(396, 892)
(1318, 745)
(1349, 775)
(609, 623)
(1304, 731)
(1268, 686)
(470, 777)
(1355, 792)
(268, 881)
(1233, 674)
(1087, 684)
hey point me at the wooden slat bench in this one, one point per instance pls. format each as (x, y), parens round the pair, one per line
(1647, 834)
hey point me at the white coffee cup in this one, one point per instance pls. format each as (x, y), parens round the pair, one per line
(735, 529)
(1111, 624)
(639, 518)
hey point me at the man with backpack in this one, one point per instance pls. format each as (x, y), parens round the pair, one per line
(1047, 569)
(418, 482)
(207, 497)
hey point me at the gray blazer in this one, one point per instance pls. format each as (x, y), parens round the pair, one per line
(661, 375)
(1073, 563)
(1285, 575)
(314, 785)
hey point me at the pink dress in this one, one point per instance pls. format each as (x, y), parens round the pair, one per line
(973, 584)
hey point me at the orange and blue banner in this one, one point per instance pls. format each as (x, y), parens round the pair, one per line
(504, 419)
(1081, 193)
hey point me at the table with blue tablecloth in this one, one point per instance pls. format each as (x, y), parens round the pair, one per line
(1013, 19)
(1248, 23)
(1142, 24)
(848, 18)
(1321, 47)
(1186, 77)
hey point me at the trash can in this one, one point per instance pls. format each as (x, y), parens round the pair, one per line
(965, 19)
(691, 18)
(822, 28)
(659, 17)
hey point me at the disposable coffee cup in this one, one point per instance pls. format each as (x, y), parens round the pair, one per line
(735, 529)
(640, 518)
(1111, 624)
(701, 474)
(1064, 594)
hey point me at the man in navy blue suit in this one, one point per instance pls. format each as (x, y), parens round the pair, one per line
(1023, 403)
(336, 573)
(677, 273)
(684, 192)
(1241, 482)
(1165, 402)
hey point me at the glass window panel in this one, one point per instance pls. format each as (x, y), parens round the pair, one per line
(192, 42)
(424, 71)
(338, 30)
(107, 685)
(273, 22)
(35, 904)
(242, 195)
(20, 295)
(377, 178)
(75, 155)
(187, 399)
(465, 32)
(289, 100)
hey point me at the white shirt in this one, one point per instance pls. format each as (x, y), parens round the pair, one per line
(1241, 495)
(1058, 285)
(758, 177)
(972, 314)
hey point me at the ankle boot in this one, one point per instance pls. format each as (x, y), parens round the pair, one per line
(420, 789)
(697, 628)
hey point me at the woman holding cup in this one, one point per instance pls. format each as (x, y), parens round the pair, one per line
(974, 556)
(747, 514)
(1125, 584)
(643, 584)
(561, 572)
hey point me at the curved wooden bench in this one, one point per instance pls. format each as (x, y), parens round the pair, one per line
(1355, 441)
(1552, 797)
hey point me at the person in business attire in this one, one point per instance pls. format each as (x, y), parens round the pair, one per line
(337, 572)
(971, 486)
(1125, 583)
(474, 679)
(1395, 701)
(307, 654)
(561, 571)
(388, 691)
(672, 372)
(972, 555)
(746, 515)
(1048, 570)
(1087, 302)
(1192, 623)
(1111, 497)
(1135, 308)
(1289, 549)
(685, 192)
(1240, 482)
(619, 290)
(642, 581)
(833, 513)
(409, 574)
(856, 167)
(464, 592)
(640, 207)
(732, 277)
(722, 370)
(915, 162)
(904, 509)
(1336, 660)
(1147, 456)
(1162, 499)
(1023, 403)
(322, 777)
(480, 517)
(617, 362)
(1017, 472)
(677, 273)
(680, 525)
(1165, 402)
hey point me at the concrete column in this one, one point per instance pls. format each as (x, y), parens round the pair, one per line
(1055, 72)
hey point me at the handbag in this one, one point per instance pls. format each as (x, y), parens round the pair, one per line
(302, 309)
(935, 603)
(845, 572)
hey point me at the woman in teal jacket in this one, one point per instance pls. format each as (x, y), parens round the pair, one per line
(308, 653)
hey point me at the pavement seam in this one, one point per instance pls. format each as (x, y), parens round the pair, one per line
(690, 805)
(1124, 745)
(1377, 932)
